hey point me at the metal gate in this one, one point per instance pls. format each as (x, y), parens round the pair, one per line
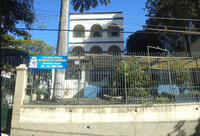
(7, 97)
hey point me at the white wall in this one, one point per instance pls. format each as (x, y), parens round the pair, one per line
(88, 20)
(129, 120)
(88, 46)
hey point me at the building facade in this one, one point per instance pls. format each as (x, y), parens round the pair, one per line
(96, 32)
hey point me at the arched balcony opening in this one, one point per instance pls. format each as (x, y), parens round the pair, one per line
(114, 50)
(96, 50)
(78, 51)
(96, 31)
(113, 30)
(79, 31)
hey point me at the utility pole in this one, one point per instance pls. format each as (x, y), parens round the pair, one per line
(59, 82)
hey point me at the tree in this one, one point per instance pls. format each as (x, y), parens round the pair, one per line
(139, 41)
(136, 43)
(14, 12)
(34, 47)
(165, 40)
(188, 9)
(87, 4)
(181, 76)
(131, 76)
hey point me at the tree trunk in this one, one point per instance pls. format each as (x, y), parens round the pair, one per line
(59, 82)
(188, 45)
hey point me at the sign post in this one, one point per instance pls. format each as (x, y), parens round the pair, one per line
(51, 62)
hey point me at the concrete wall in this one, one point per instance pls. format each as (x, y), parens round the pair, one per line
(157, 120)
(116, 120)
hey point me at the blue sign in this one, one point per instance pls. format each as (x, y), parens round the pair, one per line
(47, 62)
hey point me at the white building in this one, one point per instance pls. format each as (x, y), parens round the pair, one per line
(96, 32)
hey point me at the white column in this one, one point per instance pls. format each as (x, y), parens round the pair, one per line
(20, 86)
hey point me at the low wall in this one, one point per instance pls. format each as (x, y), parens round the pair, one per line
(157, 120)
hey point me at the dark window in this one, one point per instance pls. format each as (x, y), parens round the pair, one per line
(78, 35)
(115, 34)
(96, 34)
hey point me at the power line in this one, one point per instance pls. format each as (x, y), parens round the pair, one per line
(151, 29)
(164, 18)
(160, 26)
(41, 10)
(58, 19)
(54, 19)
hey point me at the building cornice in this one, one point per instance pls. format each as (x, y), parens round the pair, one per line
(97, 42)
(95, 13)
(115, 18)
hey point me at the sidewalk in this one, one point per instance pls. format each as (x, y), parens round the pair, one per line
(2, 134)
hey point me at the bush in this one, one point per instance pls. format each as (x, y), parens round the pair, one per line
(130, 75)
(40, 91)
(162, 100)
(193, 92)
(157, 100)
(139, 92)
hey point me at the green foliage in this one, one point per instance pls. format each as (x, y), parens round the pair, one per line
(172, 9)
(85, 5)
(157, 101)
(40, 91)
(36, 47)
(33, 47)
(136, 43)
(162, 100)
(139, 41)
(181, 75)
(193, 92)
(139, 92)
(14, 12)
(7, 67)
(147, 103)
(137, 82)
(112, 99)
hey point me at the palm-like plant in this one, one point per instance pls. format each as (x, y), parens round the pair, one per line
(85, 5)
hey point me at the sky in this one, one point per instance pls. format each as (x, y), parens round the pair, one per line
(48, 11)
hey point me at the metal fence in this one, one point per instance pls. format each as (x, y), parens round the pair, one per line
(137, 78)
(7, 80)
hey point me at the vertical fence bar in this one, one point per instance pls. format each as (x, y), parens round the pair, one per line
(170, 81)
(89, 71)
(79, 74)
(125, 80)
(115, 79)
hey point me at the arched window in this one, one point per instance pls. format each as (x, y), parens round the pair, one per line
(96, 50)
(78, 35)
(96, 31)
(96, 34)
(114, 50)
(79, 31)
(115, 34)
(113, 30)
(78, 51)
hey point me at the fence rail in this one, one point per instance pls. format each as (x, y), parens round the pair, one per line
(137, 78)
